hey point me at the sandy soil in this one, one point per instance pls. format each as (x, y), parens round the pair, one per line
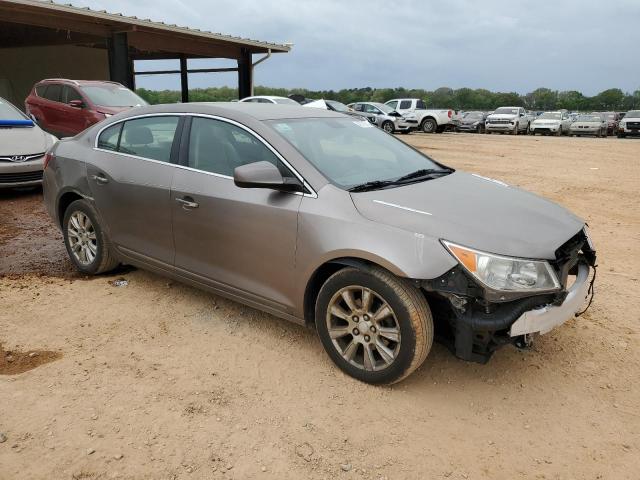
(156, 380)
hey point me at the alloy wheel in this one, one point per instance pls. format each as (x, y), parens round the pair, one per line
(82, 238)
(363, 328)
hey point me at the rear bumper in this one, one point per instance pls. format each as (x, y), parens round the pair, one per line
(546, 318)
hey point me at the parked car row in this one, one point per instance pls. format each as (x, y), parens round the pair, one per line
(517, 120)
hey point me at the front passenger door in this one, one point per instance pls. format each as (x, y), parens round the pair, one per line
(240, 241)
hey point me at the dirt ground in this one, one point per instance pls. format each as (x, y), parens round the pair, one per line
(157, 380)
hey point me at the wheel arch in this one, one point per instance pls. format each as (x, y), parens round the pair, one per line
(328, 268)
(64, 200)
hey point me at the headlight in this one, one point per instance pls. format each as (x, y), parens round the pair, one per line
(505, 273)
(475, 124)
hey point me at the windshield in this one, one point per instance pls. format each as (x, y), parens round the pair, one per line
(550, 116)
(9, 112)
(285, 101)
(337, 106)
(351, 152)
(385, 108)
(506, 110)
(588, 118)
(633, 114)
(473, 115)
(112, 96)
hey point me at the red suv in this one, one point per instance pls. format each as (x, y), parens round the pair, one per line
(66, 107)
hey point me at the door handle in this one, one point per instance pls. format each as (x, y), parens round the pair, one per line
(100, 179)
(187, 203)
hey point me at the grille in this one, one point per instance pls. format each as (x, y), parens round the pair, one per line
(500, 121)
(20, 177)
(634, 125)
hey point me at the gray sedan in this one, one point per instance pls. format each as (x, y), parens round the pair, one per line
(324, 220)
(22, 148)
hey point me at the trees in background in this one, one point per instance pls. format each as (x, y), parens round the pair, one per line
(612, 99)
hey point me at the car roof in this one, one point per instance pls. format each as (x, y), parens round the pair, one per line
(266, 96)
(236, 110)
(78, 83)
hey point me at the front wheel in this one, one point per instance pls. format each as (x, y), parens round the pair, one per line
(375, 326)
(388, 127)
(516, 128)
(87, 243)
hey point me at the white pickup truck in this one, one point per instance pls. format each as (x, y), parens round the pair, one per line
(511, 120)
(416, 114)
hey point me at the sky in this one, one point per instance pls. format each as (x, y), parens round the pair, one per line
(584, 45)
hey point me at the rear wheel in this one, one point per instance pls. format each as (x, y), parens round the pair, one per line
(88, 245)
(429, 125)
(375, 326)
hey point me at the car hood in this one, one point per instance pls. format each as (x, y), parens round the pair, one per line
(586, 124)
(24, 141)
(502, 116)
(544, 121)
(474, 211)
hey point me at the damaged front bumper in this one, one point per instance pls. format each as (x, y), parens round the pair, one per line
(474, 322)
(545, 318)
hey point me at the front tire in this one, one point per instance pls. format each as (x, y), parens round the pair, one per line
(375, 326)
(516, 129)
(388, 127)
(88, 245)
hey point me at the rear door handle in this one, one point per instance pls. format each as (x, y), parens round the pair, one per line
(100, 179)
(187, 203)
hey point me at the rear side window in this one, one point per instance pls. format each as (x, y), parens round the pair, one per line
(420, 105)
(150, 137)
(219, 147)
(110, 137)
(70, 93)
(405, 104)
(53, 92)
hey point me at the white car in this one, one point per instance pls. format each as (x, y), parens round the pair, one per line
(511, 120)
(630, 124)
(416, 114)
(270, 99)
(23, 145)
(556, 123)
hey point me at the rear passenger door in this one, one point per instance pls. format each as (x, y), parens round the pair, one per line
(240, 241)
(130, 178)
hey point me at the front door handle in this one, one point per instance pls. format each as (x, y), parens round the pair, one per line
(100, 179)
(187, 203)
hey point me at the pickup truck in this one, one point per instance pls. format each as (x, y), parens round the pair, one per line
(513, 120)
(416, 114)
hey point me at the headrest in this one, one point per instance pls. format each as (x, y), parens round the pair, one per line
(138, 136)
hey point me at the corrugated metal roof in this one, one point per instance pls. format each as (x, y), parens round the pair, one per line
(119, 18)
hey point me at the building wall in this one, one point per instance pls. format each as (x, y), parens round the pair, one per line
(21, 68)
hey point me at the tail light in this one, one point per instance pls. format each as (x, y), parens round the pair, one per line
(47, 158)
(450, 114)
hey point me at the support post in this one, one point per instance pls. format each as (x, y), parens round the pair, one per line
(120, 65)
(184, 79)
(245, 74)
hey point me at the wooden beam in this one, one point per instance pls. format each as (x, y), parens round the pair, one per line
(154, 42)
(11, 14)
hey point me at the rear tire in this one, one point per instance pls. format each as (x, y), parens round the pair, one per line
(346, 311)
(88, 245)
(429, 125)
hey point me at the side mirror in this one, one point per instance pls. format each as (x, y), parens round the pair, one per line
(76, 104)
(264, 175)
(522, 114)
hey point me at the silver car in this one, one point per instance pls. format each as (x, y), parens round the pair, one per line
(22, 148)
(324, 220)
(589, 124)
(383, 116)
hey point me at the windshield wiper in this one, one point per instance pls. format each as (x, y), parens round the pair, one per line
(373, 185)
(424, 172)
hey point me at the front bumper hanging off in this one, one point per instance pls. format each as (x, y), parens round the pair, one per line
(544, 319)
